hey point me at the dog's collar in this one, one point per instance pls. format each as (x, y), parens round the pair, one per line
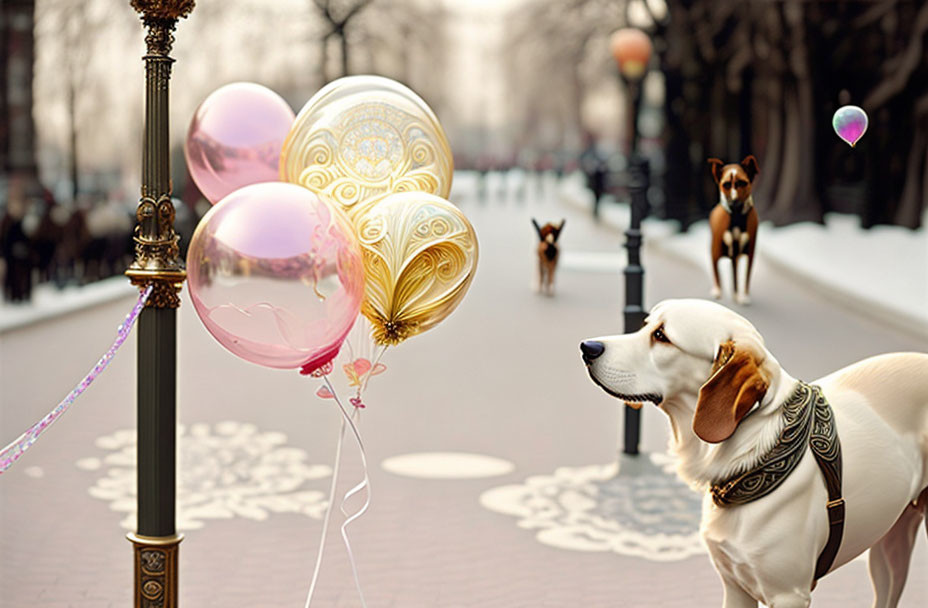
(748, 203)
(809, 421)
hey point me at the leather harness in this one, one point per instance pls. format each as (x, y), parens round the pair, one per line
(809, 422)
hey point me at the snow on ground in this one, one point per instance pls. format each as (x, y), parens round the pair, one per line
(48, 301)
(881, 272)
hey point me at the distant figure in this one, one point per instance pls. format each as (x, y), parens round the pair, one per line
(46, 238)
(73, 246)
(483, 169)
(15, 247)
(595, 170)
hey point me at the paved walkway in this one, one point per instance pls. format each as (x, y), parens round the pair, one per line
(500, 378)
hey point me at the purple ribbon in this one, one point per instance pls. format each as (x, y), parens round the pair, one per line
(18, 447)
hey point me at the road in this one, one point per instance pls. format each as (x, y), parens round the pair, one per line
(500, 378)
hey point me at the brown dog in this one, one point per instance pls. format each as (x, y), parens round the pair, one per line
(548, 253)
(734, 222)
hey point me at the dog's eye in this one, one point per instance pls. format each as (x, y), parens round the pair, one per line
(740, 183)
(659, 336)
(726, 185)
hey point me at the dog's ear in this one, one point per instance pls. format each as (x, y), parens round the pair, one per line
(537, 229)
(716, 166)
(750, 166)
(735, 385)
(558, 228)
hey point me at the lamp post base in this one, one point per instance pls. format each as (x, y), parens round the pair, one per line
(156, 560)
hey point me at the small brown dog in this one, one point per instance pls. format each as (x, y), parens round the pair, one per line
(734, 222)
(548, 253)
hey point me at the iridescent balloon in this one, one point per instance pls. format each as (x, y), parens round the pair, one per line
(362, 137)
(275, 274)
(420, 256)
(850, 123)
(235, 138)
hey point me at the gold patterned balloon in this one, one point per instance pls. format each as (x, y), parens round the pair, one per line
(361, 137)
(420, 255)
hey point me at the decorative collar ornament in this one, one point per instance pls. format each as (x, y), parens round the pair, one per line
(809, 422)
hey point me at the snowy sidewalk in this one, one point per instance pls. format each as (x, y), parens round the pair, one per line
(881, 272)
(48, 301)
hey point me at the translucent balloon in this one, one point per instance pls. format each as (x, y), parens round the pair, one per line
(235, 138)
(420, 255)
(276, 276)
(850, 123)
(362, 137)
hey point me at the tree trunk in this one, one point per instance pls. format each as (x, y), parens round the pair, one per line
(797, 198)
(912, 200)
(343, 38)
(324, 59)
(772, 154)
(72, 139)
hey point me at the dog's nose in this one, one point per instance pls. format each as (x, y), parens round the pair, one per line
(591, 349)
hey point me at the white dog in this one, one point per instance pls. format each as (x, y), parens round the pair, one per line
(729, 402)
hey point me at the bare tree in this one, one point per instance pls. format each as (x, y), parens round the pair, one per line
(404, 39)
(550, 41)
(70, 34)
(337, 16)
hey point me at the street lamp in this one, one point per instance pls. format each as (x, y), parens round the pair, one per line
(157, 264)
(631, 49)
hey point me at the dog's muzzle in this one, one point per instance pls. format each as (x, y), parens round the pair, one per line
(591, 349)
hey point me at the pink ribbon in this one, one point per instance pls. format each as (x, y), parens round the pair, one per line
(12, 452)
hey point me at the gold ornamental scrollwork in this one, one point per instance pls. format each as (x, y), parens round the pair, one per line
(160, 17)
(366, 151)
(156, 570)
(420, 255)
(157, 253)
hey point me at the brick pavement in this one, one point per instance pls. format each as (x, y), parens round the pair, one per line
(500, 377)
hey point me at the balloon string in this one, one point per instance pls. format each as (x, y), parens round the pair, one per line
(12, 452)
(365, 484)
(328, 514)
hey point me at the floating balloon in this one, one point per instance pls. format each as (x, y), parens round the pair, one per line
(235, 138)
(276, 275)
(420, 255)
(362, 137)
(850, 123)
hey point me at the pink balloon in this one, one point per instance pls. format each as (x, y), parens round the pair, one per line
(235, 138)
(275, 275)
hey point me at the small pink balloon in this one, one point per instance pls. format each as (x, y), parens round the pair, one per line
(850, 123)
(275, 275)
(235, 138)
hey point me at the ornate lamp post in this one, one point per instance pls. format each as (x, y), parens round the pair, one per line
(157, 263)
(631, 49)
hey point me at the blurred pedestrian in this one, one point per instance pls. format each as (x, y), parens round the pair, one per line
(46, 238)
(15, 246)
(74, 243)
(594, 168)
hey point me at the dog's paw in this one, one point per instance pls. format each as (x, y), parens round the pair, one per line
(743, 299)
(716, 293)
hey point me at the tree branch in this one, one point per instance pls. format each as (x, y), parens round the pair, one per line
(908, 61)
(357, 8)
